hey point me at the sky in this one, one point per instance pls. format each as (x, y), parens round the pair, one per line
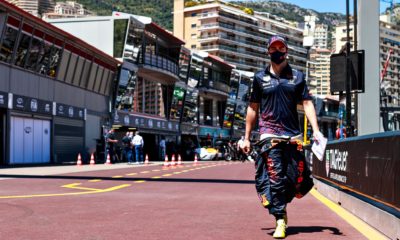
(328, 5)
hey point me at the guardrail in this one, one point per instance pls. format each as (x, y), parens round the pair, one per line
(368, 166)
(161, 62)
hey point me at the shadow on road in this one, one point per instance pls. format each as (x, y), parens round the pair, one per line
(293, 230)
(230, 181)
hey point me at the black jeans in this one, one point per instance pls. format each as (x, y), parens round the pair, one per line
(281, 174)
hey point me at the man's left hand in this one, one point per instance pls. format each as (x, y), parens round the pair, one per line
(317, 135)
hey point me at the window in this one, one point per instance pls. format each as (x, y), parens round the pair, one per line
(193, 46)
(134, 42)
(194, 35)
(194, 25)
(22, 50)
(45, 57)
(194, 14)
(184, 60)
(177, 102)
(126, 89)
(221, 112)
(120, 28)
(190, 110)
(208, 112)
(34, 51)
(7, 47)
(54, 61)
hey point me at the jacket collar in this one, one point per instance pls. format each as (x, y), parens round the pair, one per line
(286, 73)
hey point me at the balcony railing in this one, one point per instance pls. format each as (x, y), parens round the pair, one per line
(159, 61)
(213, 84)
(237, 18)
(246, 53)
(208, 15)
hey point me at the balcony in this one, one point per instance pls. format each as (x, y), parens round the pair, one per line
(208, 15)
(242, 53)
(233, 40)
(241, 62)
(234, 16)
(215, 87)
(250, 33)
(229, 28)
(160, 68)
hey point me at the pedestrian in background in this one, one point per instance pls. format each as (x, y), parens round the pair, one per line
(127, 141)
(162, 148)
(280, 165)
(239, 150)
(110, 144)
(138, 144)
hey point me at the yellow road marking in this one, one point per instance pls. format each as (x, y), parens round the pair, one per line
(145, 172)
(67, 194)
(185, 171)
(95, 180)
(74, 186)
(177, 172)
(156, 177)
(117, 176)
(156, 170)
(131, 174)
(357, 223)
(167, 175)
(139, 181)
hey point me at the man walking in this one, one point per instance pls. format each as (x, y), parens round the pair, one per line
(110, 141)
(126, 140)
(276, 91)
(162, 148)
(138, 144)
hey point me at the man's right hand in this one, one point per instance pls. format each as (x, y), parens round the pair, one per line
(245, 146)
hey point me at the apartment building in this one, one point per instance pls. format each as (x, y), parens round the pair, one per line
(35, 7)
(321, 36)
(390, 44)
(238, 36)
(341, 37)
(319, 71)
(68, 9)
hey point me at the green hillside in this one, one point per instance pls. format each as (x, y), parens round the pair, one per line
(161, 10)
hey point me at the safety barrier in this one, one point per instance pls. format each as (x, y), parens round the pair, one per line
(368, 166)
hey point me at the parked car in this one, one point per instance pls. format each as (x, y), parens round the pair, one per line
(206, 153)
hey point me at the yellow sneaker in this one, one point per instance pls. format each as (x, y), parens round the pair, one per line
(264, 201)
(280, 231)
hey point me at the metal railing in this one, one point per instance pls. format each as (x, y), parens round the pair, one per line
(159, 61)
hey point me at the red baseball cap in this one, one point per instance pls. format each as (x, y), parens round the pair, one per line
(277, 38)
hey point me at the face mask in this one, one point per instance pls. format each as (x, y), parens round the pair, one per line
(278, 57)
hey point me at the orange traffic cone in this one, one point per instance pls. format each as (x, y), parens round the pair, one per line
(173, 160)
(195, 159)
(79, 160)
(146, 161)
(108, 162)
(92, 162)
(166, 163)
(179, 160)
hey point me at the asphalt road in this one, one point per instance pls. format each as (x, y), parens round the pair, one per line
(209, 201)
